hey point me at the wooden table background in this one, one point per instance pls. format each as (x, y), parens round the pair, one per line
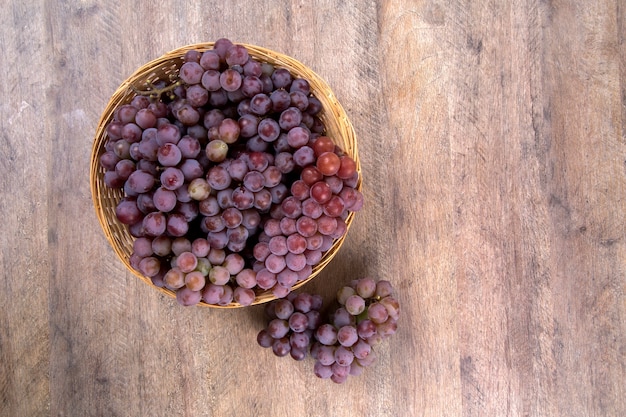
(492, 139)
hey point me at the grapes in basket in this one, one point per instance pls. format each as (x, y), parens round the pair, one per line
(231, 186)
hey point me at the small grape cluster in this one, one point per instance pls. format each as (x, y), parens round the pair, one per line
(231, 186)
(367, 313)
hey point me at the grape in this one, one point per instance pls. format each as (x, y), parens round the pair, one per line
(172, 178)
(243, 296)
(189, 147)
(229, 130)
(313, 257)
(265, 279)
(273, 176)
(236, 55)
(311, 175)
(301, 85)
(218, 178)
(328, 163)
(237, 169)
(154, 224)
(248, 125)
(191, 72)
(186, 262)
(284, 162)
(230, 80)
(278, 245)
(298, 322)
(197, 95)
(121, 148)
(287, 278)
(251, 85)
(246, 278)
(355, 304)
(225, 198)
(195, 281)
(108, 160)
(148, 148)
(287, 226)
(200, 248)
(177, 225)
(278, 328)
(326, 355)
(167, 133)
(377, 313)
(260, 104)
(281, 78)
(299, 100)
(219, 98)
(234, 263)
(283, 309)
(263, 199)
(290, 118)
(334, 207)
(281, 347)
(187, 114)
(296, 244)
(304, 156)
(275, 263)
(314, 243)
(124, 168)
(227, 297)
(174, 279)
(312, 208)
(392, 305)
(161, 245)
(254, 181)
(140, 181)
(299, 340)
(149, 266)
(199, 189)
(210, 60)
(143, 247)
(326, 334)
(164, 199)
(343, 357)
(291, 207)
(280, 100)
(188, 210)
(253, 68)
(219, 275)
(180, 245)
(232, 217)
(127, 211)
(216, 150)
(322, 371)
(251, 219)
(306, 226)
(264, 339)
(187, 297)
(204, 266)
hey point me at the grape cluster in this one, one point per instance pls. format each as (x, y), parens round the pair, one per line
(231, 186)
(367, 313)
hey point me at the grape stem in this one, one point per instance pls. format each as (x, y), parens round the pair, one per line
(156, 93)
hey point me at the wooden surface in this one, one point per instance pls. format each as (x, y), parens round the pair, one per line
(492, 138)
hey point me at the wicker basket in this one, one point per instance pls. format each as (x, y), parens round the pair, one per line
(105, 199)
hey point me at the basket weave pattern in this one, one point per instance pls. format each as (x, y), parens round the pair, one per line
(105, 199)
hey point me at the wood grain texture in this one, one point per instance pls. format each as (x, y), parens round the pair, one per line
(493, 145)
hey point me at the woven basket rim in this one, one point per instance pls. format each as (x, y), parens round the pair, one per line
(333, 115)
